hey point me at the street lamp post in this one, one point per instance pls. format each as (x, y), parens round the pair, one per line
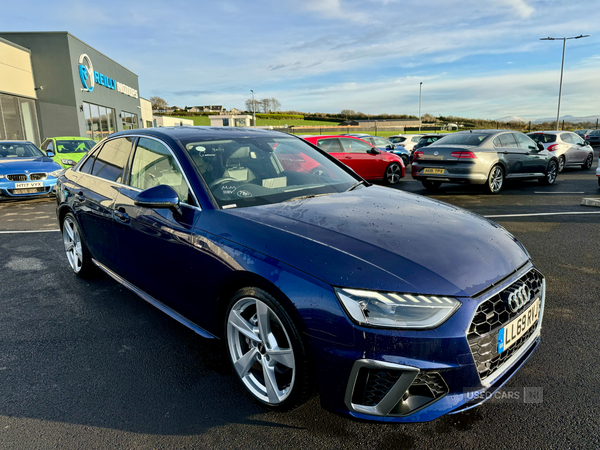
(253, 109)
(420, 85)
(562, 66)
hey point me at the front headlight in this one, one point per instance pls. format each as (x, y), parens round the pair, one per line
(56, 173)
(390, 310)
(1, 176)
(68, 162)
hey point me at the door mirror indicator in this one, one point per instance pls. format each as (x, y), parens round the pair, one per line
(50, 153)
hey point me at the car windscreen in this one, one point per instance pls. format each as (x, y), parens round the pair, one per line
(473, 139)
(542, 138)
(19, 150)
(72, 146)
(251, 171)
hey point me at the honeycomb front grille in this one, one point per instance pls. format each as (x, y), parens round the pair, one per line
(433, 381)
(490, 317)
(373, 385)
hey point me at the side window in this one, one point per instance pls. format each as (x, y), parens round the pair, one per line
(89, 163)
(355, 146)
(505, 140)
(330, 145)
(380, 142)
(525, 142)
(154, 164)
(566, 137)
(44, 146)
(577, 139)
(112, 159)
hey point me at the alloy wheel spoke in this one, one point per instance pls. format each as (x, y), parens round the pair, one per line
(284, 357)
(271, 383)
(68, 227)
(243, 365)
(264, 327)
(243, 326)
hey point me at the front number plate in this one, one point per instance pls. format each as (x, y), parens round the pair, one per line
(33, 184)
(511, 333)
(435, 171)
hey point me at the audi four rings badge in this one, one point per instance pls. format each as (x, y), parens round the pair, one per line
(518, 298)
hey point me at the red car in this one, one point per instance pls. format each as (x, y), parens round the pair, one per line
(362, 157)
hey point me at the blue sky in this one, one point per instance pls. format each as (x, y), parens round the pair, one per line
(479, 59)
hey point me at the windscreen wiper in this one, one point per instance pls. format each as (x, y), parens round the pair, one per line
(303, 197)
(354, 186)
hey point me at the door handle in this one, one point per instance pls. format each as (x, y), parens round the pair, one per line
(79, 196)
(122, 215)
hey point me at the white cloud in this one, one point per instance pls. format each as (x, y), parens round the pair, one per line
(334, 9)
(520, 7)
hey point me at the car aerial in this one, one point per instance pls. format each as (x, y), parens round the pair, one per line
(306, 275)
(25, 171)
(67, 150)
(484, 157)
(362, 157)
(570, 149)
(385, 145)
(408, 141)
(593, 137)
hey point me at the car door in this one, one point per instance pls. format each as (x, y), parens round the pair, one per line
(334, 148)
(535, 161)
(362, 159)
(509, 151)
(154, 244)
(578, 149)
(94, 195)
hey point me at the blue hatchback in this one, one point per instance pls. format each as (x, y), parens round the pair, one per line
(265, 241)
(25, 171)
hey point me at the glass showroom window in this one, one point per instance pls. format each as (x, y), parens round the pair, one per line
(129, 120)
(18, 119)
(99, 121)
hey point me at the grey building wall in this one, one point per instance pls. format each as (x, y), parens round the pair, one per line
(55, 61)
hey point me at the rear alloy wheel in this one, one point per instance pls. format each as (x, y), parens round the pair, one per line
(393, 173)
(266, 350)
(561, 163)
(551, 173)
(78, 255)
(588, 162)
(431, 185)
(495, 180)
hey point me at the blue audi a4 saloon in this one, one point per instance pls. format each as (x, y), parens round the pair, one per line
(392, 306)
(25, 171)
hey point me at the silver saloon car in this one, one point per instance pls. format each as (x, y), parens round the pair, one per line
(570, 149)
(484, 157)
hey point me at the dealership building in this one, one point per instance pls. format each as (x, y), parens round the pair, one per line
(53, 84)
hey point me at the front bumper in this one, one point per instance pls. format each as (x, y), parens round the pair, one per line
(418, 376)
(8, 189)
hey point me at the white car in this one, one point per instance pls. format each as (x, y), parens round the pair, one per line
(570, 148)
(408, 141)
(598, 172)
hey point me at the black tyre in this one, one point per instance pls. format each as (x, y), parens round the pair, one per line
(495, 179)
(405, 160)
(551, 173)
(588, 162)
(561, 163)
(77, 252)
(266, 350)
(431, 185)
(393, 173)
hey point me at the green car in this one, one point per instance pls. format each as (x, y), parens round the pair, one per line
(67, 150)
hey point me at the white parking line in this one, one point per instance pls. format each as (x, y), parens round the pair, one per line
(28, 231)
(543, 192)
(544, 214)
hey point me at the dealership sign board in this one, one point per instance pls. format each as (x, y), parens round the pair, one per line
(89, 79)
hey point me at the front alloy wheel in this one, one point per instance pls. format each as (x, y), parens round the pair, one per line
(495, 180)
(393, 173)
(75, 249)
(266, 350)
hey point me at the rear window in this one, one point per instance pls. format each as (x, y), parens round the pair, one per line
(543, 138)
(397, 139)
(595, 133)
(473, 139)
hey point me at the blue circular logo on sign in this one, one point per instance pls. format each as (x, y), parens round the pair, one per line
(86, 72)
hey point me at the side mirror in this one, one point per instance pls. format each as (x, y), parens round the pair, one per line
(391, 146)
(540, 146)
(586, 143)
(49, 153)
(373, 151)
(161, 196)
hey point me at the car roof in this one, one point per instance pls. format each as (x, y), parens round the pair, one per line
(15, 141)
(549, 132)
(202, 132)
(72, 138)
